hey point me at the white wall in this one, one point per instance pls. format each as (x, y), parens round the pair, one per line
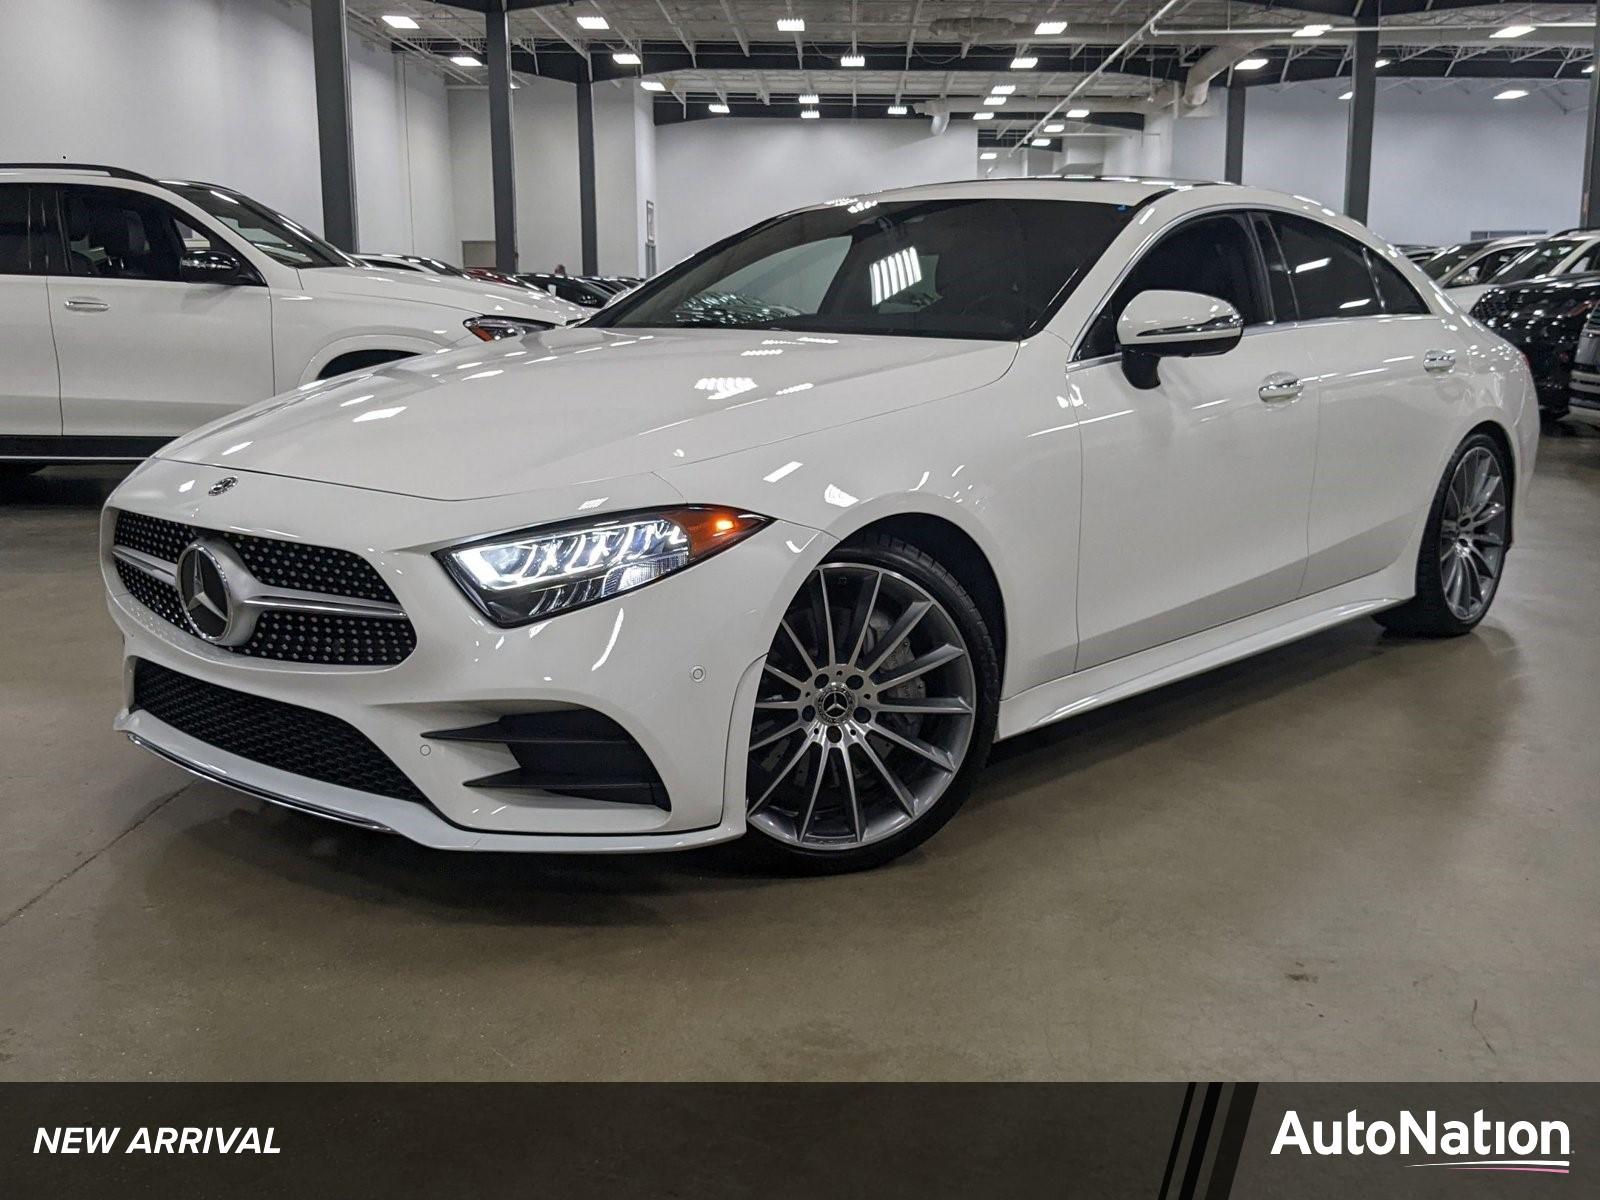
(716, 176)
(222, 90)
(1444, 162)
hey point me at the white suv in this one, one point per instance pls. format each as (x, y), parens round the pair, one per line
(133, 310)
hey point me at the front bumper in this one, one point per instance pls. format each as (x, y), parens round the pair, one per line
(675, 664)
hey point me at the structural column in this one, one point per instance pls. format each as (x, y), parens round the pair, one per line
(586, 217)
(1363, 106)
(1233, 148)
(502, 149)
(1589, 217)
(331, 62)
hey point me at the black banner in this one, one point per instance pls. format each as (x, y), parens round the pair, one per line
(1155, 1141)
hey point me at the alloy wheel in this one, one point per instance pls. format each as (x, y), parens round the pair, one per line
(1472, 534)
(866, 709)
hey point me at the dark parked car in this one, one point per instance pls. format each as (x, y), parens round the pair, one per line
(569, 287)
(1544, 318)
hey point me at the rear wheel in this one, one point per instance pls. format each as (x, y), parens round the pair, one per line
(876, 708)
(1463, 548)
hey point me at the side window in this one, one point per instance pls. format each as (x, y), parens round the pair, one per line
(116, 234)
(16, 257)
(1213, 256)
(1589, 260)
(1278, 278)
(1398, 296)
(1330, 273)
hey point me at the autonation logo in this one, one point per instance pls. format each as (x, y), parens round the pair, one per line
(1476, 1145)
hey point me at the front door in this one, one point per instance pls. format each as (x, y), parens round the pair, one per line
(142, 352)
(1195, 492)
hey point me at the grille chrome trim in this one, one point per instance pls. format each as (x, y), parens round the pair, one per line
(248, 789)
(155, 567)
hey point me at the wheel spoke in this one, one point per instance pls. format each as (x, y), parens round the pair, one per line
(943, 706)
(853, 801)
(827, 617)
(778, 736)
(805, 655)
(930, 661)
(816, 790)
(783, 773)
(861, 618)
(917, 746)
(790, 705)
(1472, 586)
(898, 632)
(902, 797)
(1452, 578)
(784, 677)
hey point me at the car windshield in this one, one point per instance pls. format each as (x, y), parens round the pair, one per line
(271, 233)
(1445, 260)
(993, 268)
(1537, 260)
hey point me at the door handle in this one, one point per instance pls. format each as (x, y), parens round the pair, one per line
(1280, 386)
(1439, 360)
(85, 304)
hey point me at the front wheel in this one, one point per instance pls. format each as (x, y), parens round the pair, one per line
(1464, 546)
(876, 708)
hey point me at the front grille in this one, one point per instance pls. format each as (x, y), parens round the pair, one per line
(327, 639)
(1491, 304)
(299, 740)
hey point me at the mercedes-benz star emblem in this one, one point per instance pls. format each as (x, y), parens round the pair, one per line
(221, 485)
(203, 588)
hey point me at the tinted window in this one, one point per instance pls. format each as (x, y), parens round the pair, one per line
(1397, 295)
(1589, 260)
(117, 234)
(15, 244)
(272, 233)
(980, 268)
(1278, 280)
(1449, 259)
(1534, 262)
(1480, 269)
(1329, 270)
(1213, 256)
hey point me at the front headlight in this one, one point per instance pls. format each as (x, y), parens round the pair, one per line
(492, 329)
(522, 577)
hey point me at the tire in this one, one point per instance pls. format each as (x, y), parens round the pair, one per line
(1447, 603)
(881, 748)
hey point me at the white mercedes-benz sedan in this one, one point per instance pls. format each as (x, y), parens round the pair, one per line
(778, 544)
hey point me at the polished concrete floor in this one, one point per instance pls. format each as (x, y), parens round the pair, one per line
(1352, 858)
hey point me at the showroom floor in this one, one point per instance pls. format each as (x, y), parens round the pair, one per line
(1351, 858)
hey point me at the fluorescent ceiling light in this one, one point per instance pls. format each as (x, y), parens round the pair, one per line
(1055, 128)
(1024, 62)
(1346, 95)
(625, 58)
(1003, 89)
(810, 114)
(1249, 64)
(809, 98)
(465, 60)
(1077, 114)
(792, 24)
(397, 22)
(1041, 141)
(1512, 31)
(594, 22)
(1311, 30)
(988, 156)
(994, 100)
(983, 116)
(1050, 28)
(719, 108)
(1511, 94)
(898, 110)
(652, 85)
(1380, 63)
(1589, 70)
(853, 60)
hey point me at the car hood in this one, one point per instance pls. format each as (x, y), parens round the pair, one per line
(580, 405)
(476, 296)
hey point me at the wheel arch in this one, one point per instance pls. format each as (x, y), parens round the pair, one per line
(1502, 438)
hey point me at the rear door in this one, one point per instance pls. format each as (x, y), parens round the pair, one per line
(1387, 370)
(30, 391)
(142, 351)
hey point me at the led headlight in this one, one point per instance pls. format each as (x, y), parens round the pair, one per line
(492, 329)
(522, 577)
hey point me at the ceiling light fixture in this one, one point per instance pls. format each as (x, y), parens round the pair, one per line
(465, 60)
(994, 100)
(1041, 141)
(1589, 70)
(398, 22)
(983, 116)
(1024, 62)
(1380, 63)
(809, 98)
(1077, 114)
(810, 114)
(1310, 31)
(1003, 89)
(898, 110)
(791, 24)
(1055, 128)
(1513, 31)
(625, 58)
(652, 85)
(1050, 28)
(1511, 94)
(988, 156)
(853, 60)
(719, 108)
(1346, 95)
(594, 22)
(1249, 64)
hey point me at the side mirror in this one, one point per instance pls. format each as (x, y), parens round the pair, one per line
(1158, 324)
(212, 266)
